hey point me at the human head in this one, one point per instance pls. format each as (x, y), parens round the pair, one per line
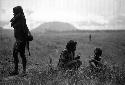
(98, 52)
(17, 9)
(71, 45)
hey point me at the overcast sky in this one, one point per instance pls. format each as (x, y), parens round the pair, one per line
(100, 11)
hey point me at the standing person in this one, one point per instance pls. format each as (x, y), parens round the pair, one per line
(67, 57)
(90, 37)
(18, 22)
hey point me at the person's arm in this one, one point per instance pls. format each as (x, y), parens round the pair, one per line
(64, 56)
(24, 26)
(77, 57)
(91, 62)
(15, 21)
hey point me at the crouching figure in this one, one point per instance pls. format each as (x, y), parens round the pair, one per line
(67, 60)
(95, 61)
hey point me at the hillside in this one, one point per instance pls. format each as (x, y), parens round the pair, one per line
(3, 23)
(54, 26)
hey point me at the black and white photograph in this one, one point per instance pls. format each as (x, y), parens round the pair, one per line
(62, 42)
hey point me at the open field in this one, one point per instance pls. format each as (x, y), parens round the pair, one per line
(49, 45)
(112, 44)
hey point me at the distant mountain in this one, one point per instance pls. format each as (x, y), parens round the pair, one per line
(54, 27)
(6, 32)
(3, 23)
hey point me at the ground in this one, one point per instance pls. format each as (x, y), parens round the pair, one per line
(46, 46)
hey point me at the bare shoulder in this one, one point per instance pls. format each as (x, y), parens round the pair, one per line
(64, 51)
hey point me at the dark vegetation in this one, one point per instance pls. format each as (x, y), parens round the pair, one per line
(47, 46)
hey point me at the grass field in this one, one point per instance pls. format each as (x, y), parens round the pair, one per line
(49, 45)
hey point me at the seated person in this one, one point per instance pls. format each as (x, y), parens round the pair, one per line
(96, 60)
(67, 57)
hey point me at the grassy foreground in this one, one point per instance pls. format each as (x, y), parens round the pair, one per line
(40, 71)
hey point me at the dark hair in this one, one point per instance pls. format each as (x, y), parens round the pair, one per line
(70, 45)
(17, 9)
(98, 51)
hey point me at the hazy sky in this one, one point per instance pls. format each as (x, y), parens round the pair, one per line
(100, 11)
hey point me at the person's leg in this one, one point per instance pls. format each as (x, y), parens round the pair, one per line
(22, 54)
(79, 63)
(71, 64)
(15, 56)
